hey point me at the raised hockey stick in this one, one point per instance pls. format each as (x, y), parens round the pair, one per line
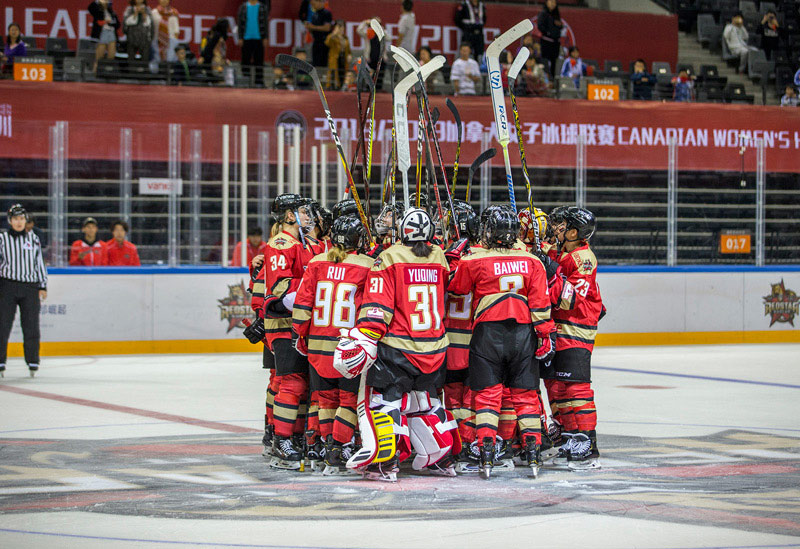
(457, 116)
(363, 78)
(513, 72)
(376, 27)
(483, 157)
(498, 98)
(300, 65)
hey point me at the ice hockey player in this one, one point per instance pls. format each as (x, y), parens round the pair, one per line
(568, 378)
(389, 216)
(509, 290)
(327, 302)
(284, 264)
(400, 334)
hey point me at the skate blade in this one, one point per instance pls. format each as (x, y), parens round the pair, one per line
(467, 468)
(587, 465)
(383, 477)
(486, 473)
(33, 373)
(535, 470)
(330, 471)
(449, 472)
(504, 465)
(547, 455)
(277, 463)
(267, 451)
(317, 465)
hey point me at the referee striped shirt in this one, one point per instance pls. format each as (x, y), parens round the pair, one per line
(21, 258)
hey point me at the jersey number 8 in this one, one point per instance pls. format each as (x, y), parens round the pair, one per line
(341, 311)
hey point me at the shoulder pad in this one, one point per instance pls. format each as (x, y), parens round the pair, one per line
(585, 261)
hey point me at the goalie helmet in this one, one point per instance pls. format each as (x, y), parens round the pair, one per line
(15, 210)
(526, 223)
(383, 223)
(348, 232)
(345, 207)
(501, 228)
(582, 220)
(416, 226)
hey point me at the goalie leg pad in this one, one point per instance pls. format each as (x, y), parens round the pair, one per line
(381, 426)
(431, 438)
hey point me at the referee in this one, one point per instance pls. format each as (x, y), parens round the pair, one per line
(23, 282)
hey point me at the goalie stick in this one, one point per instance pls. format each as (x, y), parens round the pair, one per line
(483, 157)
(300, 65)
(513, 72)
(457, 116)
(498, 98)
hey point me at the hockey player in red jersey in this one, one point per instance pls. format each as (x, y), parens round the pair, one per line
(327, 302)
(509, 290)
(569, 374)
(400, 338)
(284, 263)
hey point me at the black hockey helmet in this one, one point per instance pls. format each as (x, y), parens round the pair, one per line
(416, 226)
(467, 220)
(322, 217)
(345, 207)
(383, 223)
(581, 220)
(557, 215)
(348, 232)
(17, 209)
(501, 227)
(287, 202)
(423, 201)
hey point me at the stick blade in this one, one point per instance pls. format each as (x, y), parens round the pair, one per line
(509, 37)
(519, 62)
(364, 80)
(377, 29)
(435, 115)
(483, 157)
(293, 62)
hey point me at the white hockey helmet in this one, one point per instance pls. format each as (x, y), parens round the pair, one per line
(416, 226)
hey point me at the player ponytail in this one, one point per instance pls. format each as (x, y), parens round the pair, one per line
(421, 249)
(337, 254)
(276, 229)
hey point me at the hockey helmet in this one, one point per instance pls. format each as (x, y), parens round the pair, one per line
(557, 215)
(581, 220)
(323, 217)
(348, 232)
(345, 207)
(467, 221)
(383, 223)
(501, 227)
(423, 201)
(17, 209)
(526, 222)
(416, 226)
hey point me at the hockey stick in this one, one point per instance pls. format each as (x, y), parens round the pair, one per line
(513, 72)
(378, 30)
(483, 157)
(457, 116)
(498, 98)
(300, 65)
(363, 77)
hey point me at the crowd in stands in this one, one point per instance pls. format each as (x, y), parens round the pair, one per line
(151, 50)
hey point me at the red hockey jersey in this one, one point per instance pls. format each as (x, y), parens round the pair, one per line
(458, 325)
(327, 300)
(577, 327)
(404, 304)
(506, 284)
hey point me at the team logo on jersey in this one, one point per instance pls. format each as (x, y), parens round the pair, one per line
(781, 305)
(375, 312)
(235, 307)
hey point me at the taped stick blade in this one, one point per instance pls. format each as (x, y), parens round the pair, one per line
(456, 115)
(483, 157)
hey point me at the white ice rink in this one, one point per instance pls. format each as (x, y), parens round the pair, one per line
(700, 446)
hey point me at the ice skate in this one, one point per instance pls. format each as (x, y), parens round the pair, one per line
(445, 467)
(468, 458)
(584, 454)
(266, 440)
(503, 455)
(316, 455)
(286, 454)
(385, 471)
(487, 452)
(560, 459)
(335, 459)
(532, 457)
(32, 369)
(551, 441)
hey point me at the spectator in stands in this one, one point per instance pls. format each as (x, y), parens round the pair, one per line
(574, 67)
(789, 98)
(550, 25)
(14, 47)
(88, 251)
(339, 55)
(165, 22)
(183, 69)
(470, 18)
(214, 42)
(435, 80)
(318, 22)
(105, 25)
(407, 27)
(137, 24)
(252, 32)
(120, 252)
(770, 33)
(372, 48)
(535, 79)
(735, 36)
(302, 81)
(256, 246)
(643, 81)
(683, 87)
(349, 82)
(465, 71)
(281, 80)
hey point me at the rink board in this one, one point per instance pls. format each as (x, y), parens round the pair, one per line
(200, 310)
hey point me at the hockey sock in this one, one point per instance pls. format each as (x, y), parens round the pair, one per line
(507, 423)
(312, 420)
(272, 390)
(346, 419)
(302, 417)
(328, 403)
(453, 401)
(559, 403)
(529, 414)
(582, 404)
(487, 411)
(467, 427)
(293, 389)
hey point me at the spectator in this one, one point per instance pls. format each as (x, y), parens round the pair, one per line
(372, 49)
(573, 66)
(88, 251)
(339, 56)
(139, 30)
(349, 82)
(407, 27)
(470, 18)
(789, 98)
(550, 25)
(104, 29)
(643, 81)
(465, 71)
(252, 32)
(281, 79)
(214, 42)
(435, 79)
(318, 22)
(183, 69)
(256, 246)
(14, 47)
(770, 33)
(735, 36)
(535, 80)
(119, 251)
(302, 81)
(683, 87)
(165, 22)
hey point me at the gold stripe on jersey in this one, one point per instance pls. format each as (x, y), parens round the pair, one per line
(368, 313)
(486, 417)
(326, 415)
(489, 301)
(577, 332)
(280, 288)
(282, 241)
(540, 315)
(359, 259)
(259, 288)
(322, 345)
(347, 416)
(273, 325)
(417, 346)
(529, 423)
(301, 314)
(459, 338)
(400, 254)
(520, 245)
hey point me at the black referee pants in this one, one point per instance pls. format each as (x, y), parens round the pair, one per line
(26, 296)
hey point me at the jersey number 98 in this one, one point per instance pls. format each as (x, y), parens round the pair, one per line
(335, 305)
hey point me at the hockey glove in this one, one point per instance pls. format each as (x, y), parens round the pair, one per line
(274, 307)
(547, 347)
(375, 251)
(550, 266)
(456, 250)
(254, 331)
(355, 353)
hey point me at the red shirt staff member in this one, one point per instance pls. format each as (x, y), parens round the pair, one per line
(119, 251)
(23, 283)
(255, 247)
(88, 251)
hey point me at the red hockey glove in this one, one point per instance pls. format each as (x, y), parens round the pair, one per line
(456, 250)
(355, 353)
(547, 346)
